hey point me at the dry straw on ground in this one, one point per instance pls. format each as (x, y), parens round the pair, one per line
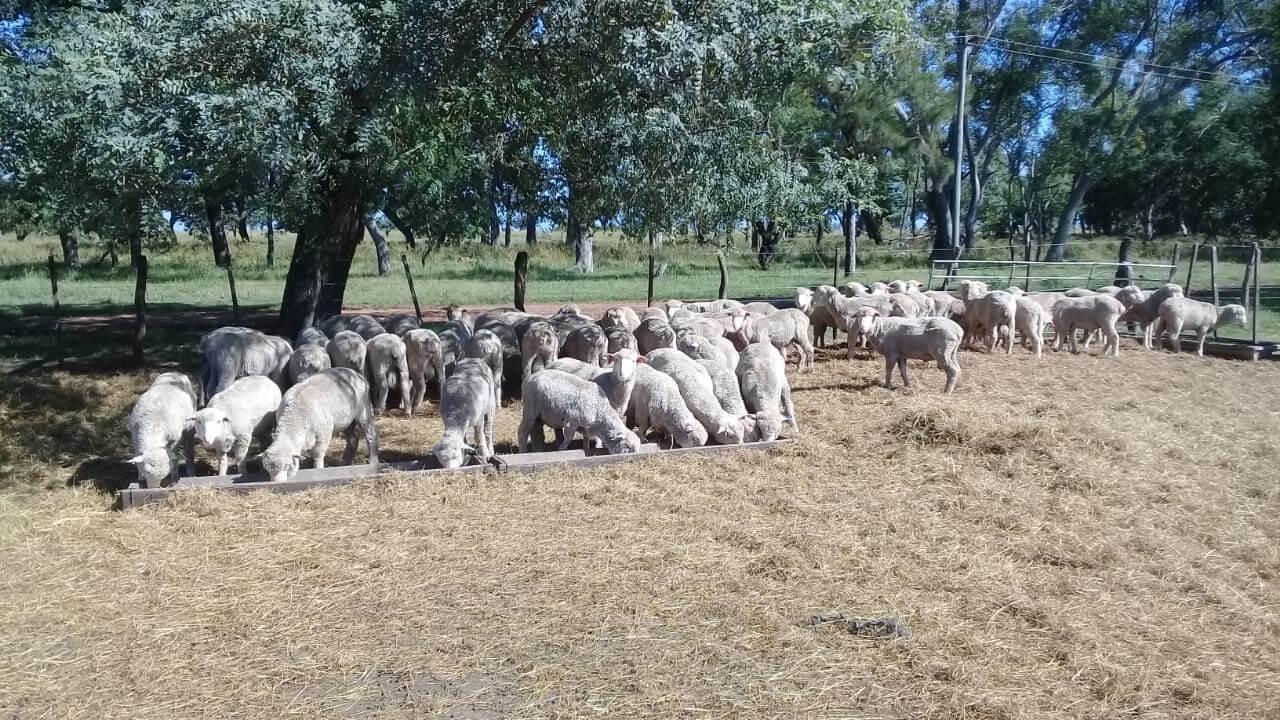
(1074, 537)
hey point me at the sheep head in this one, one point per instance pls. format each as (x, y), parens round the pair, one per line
(1232, 314)
(212, 428)
(279, 463)
(153, 466)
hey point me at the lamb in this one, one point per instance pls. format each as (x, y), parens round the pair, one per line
(571, 404)
(762, 376)
(617, 338)
(539, 347)
(426, 362)
(401, 324)
(347, 350)
(234, 417)
(306, 361)
(453, 339)
(785, 328)
(846, 311)
(310, 336)
(566, 320)
(945, 304)
(335, 400)
(487, 346)
(725, 384)
(656, 404)
(900, 339)
(820, 315)
(616, 380)
(1147, 312)
(157, 423)
(620, 317)
(699, 394)
(387, 365)
(992, 317)
(1092, 312)
(467, 403)
(1030, 320)
(654, 333)
(577, 368)
(1178, 313)
(231, 353)
(586, 343)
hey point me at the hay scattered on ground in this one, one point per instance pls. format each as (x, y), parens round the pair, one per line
(1074, 537)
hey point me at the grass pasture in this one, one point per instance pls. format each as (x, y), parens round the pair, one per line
(1074, 537)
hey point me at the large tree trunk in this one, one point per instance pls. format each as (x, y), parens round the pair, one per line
(494, 225)
(873, 225)
(379, 246)
(770, 236)
(977, 189)
(217, 232)
(70, 240)
(848, 222)
(506, 232)
(322, 257)
(242, 219)
(531, 228)
(1083, 183)
(939, 207)
(584, 251)
(405, 230)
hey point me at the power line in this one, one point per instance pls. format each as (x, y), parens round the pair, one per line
(1091, 56)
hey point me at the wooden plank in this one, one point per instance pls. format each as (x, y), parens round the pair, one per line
(343, 475)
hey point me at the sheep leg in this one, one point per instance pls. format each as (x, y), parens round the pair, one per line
(788, 405)
(239, 450)
(317, 455)
(223, 463)
(371, 441)
(405, 404)
(888, 372)
(1175, 335)
(951, 368)
(524, 432)
(488, 435)
(1200, 349)
(353, 443)
(1113, 341)
(1007, 331)
(419, 382)
(902, 369)
(173, 466)
(565, 436)
(380, 395)
(1075, 350)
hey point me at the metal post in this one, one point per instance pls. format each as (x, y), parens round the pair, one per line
(235, 299)
(929, 285)
(1088, 284)
(1028, 278)
(650, 293)
(1213, 280)
(1173, 263)
(835, 268)
(1191, 266)
(57, 309)
(724, 276)
(1257, 290)
(962, 52)
(413, 292)
(140, 308)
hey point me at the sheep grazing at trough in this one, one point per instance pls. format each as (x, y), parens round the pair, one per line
(761, 307)
(700, 348)
(992, 318)
(620, 317)
(306, 361)
(310, 336)
(570, 404)
(234, 417)
(401, 324)
(157, 423)
(785, 329)
(539, 347)
(347, 350)
(656, 404)
(363, 325)
(1030, 322)
(657, 311)
(453, 339)
(577, 368)
(467, 404)
(654, 333)
(1182, 314)
(617, 338)
(586, 343)
(699, 394)
(487, 346)
(725, 384)
(618, 380)
(335, 400)
(1088, 313)
(387, 366)
(459, 314)
(901, 339)
(1147, 312)
(729, 350)
(425, 361)
(820, 315)
(231, 353)
(766, 392)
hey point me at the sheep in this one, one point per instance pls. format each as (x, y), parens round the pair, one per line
(992, 317)
(945, 304)
(820, 316)
(854, 289)
(617, 338)
(700, 348)
(347, 350)
(1146, 312)
(620, 317)
(335, 400)
(725, 384)
(459, 314)
(729, 350)
(487, 346)
(785, 328)
(387, 364)
(699, 394)
(306, 361)
(766, 393)
(908, 305)
(570, 404)
(761, 307)
(656, 404)
(231, 353)
(1030, 321)
(708, 328)
(615, 380)
(234, 417)
(363, 325)
(539, 346)
(656, 311)
(706, 306)
(157, 423)
(586, 343)
(577, 368)
(401, 324)
(453, 339)
(1178, 313)
(900, 339)
(310, 336)
(679, 315)
(467, 402)
(654, 333)
(1091, 312)
(847, 310)
(566, 320)
(425, 361)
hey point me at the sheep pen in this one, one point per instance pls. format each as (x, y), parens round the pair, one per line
(1077, 537)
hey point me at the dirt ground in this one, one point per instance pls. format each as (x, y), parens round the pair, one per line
(1074, 537)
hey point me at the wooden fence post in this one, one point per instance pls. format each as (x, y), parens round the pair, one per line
(1173, 263)
(649, 295)
(1257, 290)
(1191, 266)
(522, 278)
(1213, 280)
(835, 268)
(57, 309)
(1244, 285)
(140, 309)
(724, 276)
(235, 299)
(413, 292)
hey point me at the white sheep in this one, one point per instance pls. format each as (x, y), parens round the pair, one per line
(699, 347)
(231, 353)
(820, 316)
(1178, 314)
(387, 366)
(656, 404)
(467, 403)
(709, 328)
(234, 417)
(1087, 313)
(586, 343)
(363, 325)
(766, 393)
(900, 339)
(401, 324)
(654, 333)
(539, 347)
(310, 336)
(487, 346)
(759, 306)
(622, 317)
(306, 361)
(846, 312)
(1030, 321)
(1147, 311)
(453, 340)
(347, 350)
(991, 317)
(785, 329)
(616, 380)
(699, 394)
(570, 404)
(157, 423)
(725, 384)
(617, 338)
(426, 362)
(654, 311)
(335, 400)
(728, 350)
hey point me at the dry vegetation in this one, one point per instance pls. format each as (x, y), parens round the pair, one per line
(1075, 537)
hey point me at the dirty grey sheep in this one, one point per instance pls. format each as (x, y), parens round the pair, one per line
(699, 394)
(347, 350)
(654, 333)
(620, 317)
(586, 343)
(487, 346)
(401, 324)
(620, 339)
(656, 404)
(387, 366)
(539, 347)
(426, 362)
(311, 336)
(571, 404)
(231, 353)
(306, 361)
(766, 392)
(467, 404)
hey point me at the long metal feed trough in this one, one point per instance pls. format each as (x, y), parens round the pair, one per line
(134, 497)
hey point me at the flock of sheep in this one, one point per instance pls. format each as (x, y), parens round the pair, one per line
(692, 372)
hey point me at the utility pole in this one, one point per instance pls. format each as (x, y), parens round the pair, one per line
(962, 57)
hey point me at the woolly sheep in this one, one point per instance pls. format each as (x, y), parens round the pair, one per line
(459, 314)
(992, 318)
(762, 377)
(820, 316)
(1146, 312)
(566, 320)
(1030, 322)
(157, 423)
(620, 317)
(386, 366)
(1092, 312)
(401, 324)
(231, 353)
(306, 361)
(363, 325)
(700, 348)
(679, 315)
(656, 404)
(539, 346)
(725, 384)
(487, 346)
(347, 350)
(656, 311)
(577, 368)
(761, 307)
(335, 400)
(654, 333)
(586, 343)
(234, 417)
(453, 339)
(728, 350)
(617, 338)
(571, 404)
(467, 403)
(847, 310)
(615, 380)
(699, 394)
(901, 339)
(785, 329)
(310, 336)
(1178, 314)
(425, 361)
